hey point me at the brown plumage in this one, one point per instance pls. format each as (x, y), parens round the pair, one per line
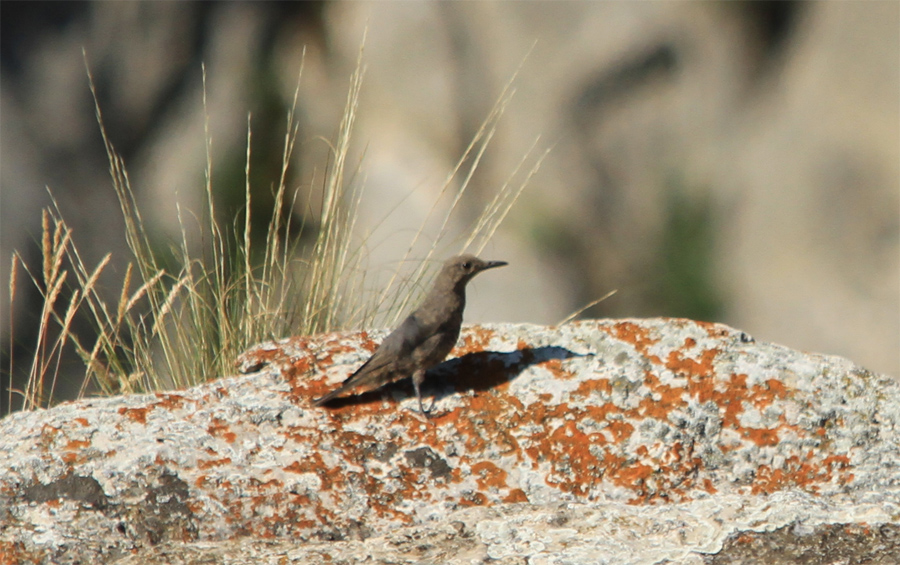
(424, 338)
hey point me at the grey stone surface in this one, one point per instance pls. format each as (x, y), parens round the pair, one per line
(611, 441)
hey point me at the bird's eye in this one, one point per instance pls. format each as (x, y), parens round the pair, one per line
(467, 265)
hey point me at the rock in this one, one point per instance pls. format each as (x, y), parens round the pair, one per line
(612, 441)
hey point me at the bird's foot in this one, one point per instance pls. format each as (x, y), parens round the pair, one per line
(422, 411)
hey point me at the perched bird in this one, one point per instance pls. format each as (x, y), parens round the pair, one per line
(424, 338)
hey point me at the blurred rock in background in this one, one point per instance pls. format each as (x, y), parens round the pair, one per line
(736, 162)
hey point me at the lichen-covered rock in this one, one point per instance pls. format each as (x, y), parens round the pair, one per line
(623, 441)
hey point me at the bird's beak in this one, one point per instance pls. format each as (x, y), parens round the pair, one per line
(492, 264)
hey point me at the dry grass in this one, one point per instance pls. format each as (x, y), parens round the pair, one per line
(176, 329)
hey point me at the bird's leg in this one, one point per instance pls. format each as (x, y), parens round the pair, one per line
(417, 379)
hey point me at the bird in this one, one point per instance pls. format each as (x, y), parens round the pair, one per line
(424, 338)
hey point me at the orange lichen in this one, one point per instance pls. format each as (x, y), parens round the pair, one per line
(763, 396)
(633, 475)
(367, 343)
(301, 366)
(138, 415)
(713, 330)
(588, 386)
(568, 451)
(636, 335)
(662, 400)
(475, 339)
(488, 475)
(805, 473)
(679, 364)
(478, 431)
(208, 463)
(221, 429)
(472, 499)
(169, 401)
(515, 495)
(761, 436)
(839, 461)
(556, 369)
(77, 444)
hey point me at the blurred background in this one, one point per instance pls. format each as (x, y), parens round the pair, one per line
(735, 162)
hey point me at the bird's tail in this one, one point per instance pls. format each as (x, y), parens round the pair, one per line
(328, 397)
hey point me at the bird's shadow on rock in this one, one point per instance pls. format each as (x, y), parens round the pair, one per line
(478, 371)
(484, 370)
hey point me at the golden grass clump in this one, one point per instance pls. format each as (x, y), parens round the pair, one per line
(186, 325)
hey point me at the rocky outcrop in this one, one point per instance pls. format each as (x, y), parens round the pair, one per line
(619, 441)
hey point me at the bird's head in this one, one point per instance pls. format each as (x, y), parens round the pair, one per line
(462, 268)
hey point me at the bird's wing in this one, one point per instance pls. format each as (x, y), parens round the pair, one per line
(393, 357)
(396, 348)
(408, 336)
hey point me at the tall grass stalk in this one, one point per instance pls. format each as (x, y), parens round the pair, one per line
(485, 225)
